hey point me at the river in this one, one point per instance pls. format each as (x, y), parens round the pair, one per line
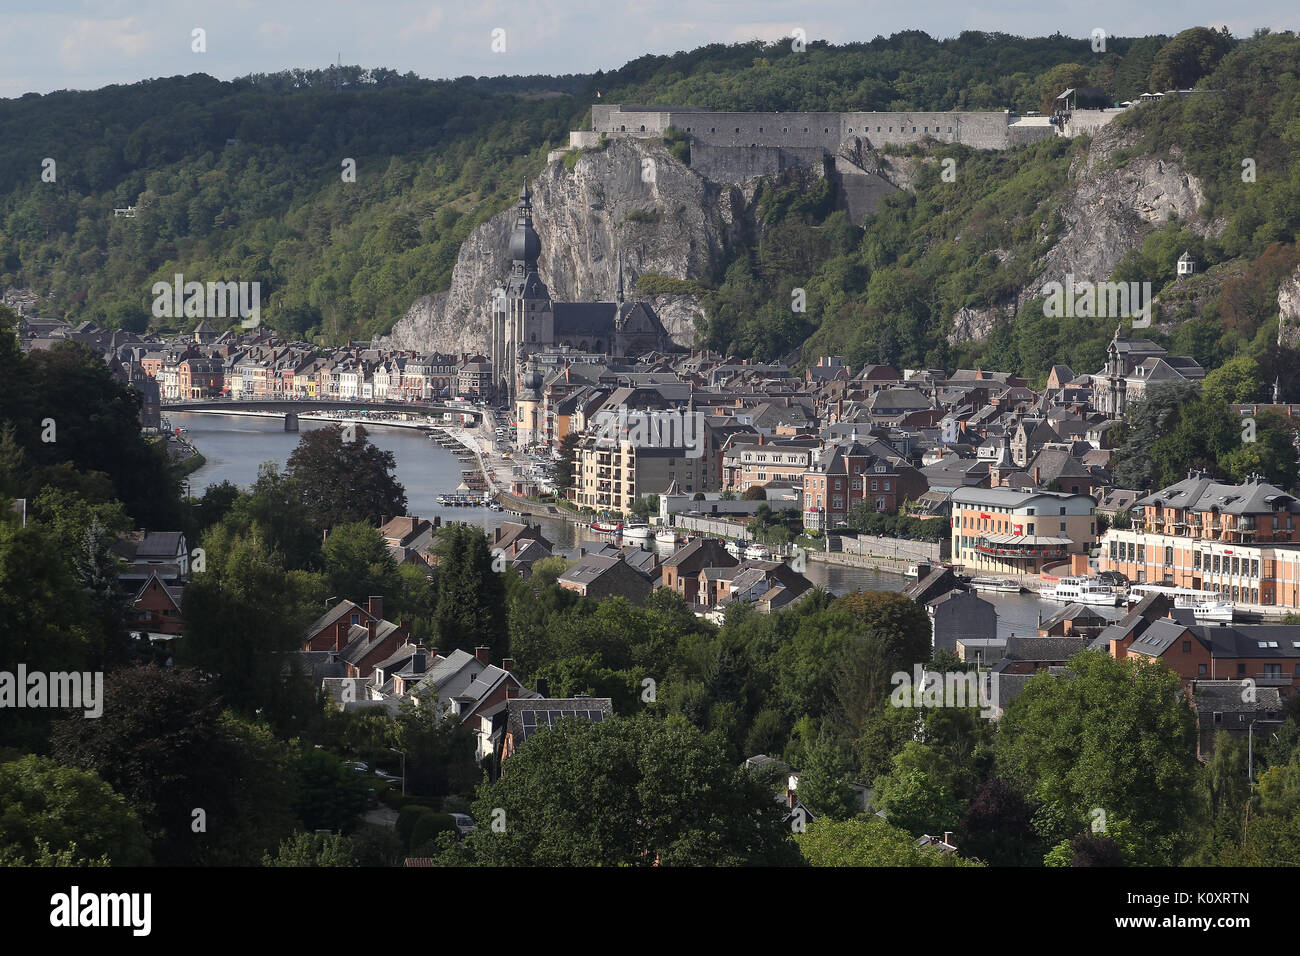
(235, 446)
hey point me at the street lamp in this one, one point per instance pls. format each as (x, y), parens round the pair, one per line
(1250, 748)
(403, 756)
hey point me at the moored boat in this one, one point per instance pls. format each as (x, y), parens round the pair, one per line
(1082, 590)
(758, 552)
(1003, 585)
(666, 536)
(1204, 605)
(638, 532)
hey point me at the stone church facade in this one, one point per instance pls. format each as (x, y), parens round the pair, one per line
(526, 321)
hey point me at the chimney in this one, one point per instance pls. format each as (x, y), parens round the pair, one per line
(375, 605)
(1035, 474)
(370, 627)
(508, 665)
(483, 654)
(543, 687)
(510, 690)
(341, 634)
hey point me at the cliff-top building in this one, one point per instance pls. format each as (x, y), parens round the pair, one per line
(525, 320)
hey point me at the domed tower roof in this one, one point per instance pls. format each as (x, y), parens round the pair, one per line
(525, 247)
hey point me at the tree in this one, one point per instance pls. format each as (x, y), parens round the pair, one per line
(998, 827)
(564, 467)
(1114, 735)
(868, 841)
(1186, 58)
(919, 794)
(331, 795)
(344, 477)
(471, 593)
(359, 564)
(276, 505)
(47, 809)
(824, 779)
(1236, 381)
(901, 623)
(754, 493)
(439, 748)
(652, 792)
(153, 744)
(313, 849)
(245, 621)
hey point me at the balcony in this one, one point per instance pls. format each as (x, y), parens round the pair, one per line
(1275, 679)
(1021, 554)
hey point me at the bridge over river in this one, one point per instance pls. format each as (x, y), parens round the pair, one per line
(291, 408)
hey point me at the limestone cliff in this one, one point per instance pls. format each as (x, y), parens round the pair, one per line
(1288, 310)
(1111, 204)
(631, 196)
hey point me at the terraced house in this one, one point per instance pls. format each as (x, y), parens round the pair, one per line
(1239, 540)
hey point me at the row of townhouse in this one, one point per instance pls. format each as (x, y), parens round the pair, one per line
(262, 371)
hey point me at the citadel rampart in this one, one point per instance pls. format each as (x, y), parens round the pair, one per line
(731, 147)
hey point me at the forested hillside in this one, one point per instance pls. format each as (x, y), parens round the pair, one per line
(241, 180)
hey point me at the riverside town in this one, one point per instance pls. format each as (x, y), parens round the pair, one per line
(673, 451)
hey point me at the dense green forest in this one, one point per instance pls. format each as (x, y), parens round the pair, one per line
(887, 292)
(243, 179)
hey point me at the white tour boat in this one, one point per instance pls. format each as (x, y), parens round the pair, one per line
(1087, 590)
(1204, 605)
(666, 536)
(638, 532)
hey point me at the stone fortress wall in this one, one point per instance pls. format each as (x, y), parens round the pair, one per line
(734, 147)
(825, 131)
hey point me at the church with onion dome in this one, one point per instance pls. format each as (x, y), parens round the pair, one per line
(525, 321)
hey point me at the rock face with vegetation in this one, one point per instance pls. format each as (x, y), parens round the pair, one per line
(631, 198)
(1111, 201)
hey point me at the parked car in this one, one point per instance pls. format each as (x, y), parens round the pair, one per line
(359, 766)
(464, 822)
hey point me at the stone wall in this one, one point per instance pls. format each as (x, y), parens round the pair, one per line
(867, 545)
(815, 131)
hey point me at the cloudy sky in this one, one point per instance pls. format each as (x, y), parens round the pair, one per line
(63, 44)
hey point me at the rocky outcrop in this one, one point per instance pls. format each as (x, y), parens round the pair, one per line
(1111, 205)
(631, 197)
(1288, 310)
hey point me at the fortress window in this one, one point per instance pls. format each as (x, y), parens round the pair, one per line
(891, 129)
(950, 129)
(688, 129)
(827, 130)
(805, 129)
(643, 129)
(785, 129)
(913, 129)
(622, 129)
(760, 129)
(713, 129)
(877, 129)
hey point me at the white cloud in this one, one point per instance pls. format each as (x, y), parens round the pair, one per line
(85, 41)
